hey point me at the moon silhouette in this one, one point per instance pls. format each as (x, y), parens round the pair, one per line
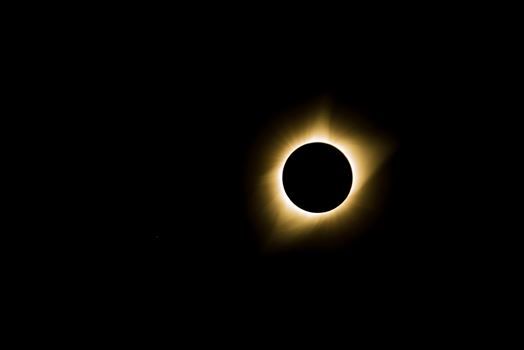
(317, 177)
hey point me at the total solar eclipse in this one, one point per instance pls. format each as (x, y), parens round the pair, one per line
(317, 177)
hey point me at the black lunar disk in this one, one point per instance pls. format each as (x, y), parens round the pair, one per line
(317, 177)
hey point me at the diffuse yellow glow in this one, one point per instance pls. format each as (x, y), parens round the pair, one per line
(281, 218)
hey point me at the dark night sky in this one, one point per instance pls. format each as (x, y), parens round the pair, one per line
(181, 130)
(134, 130)
(166, 123)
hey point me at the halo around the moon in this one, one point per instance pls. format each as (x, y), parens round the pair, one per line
(276, 215)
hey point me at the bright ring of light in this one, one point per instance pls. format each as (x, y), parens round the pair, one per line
(277, 214)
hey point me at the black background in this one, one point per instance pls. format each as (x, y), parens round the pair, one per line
(155, 124)
(179, 121)
(134, 127)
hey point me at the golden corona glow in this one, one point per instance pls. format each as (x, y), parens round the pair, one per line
(280, 219)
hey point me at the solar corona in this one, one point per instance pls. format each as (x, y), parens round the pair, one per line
(310, 174)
